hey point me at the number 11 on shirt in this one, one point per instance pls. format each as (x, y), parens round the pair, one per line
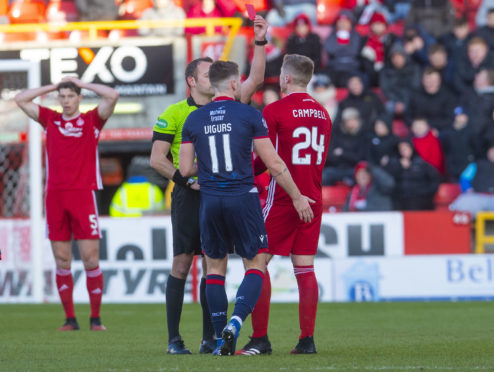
(226, 152)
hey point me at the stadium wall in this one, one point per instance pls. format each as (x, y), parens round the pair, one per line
(362, 257)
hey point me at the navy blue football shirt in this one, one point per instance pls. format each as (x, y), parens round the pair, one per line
(222, 133)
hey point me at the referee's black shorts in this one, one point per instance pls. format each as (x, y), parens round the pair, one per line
(185, 221)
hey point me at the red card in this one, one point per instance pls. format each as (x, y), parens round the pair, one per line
(250, 11)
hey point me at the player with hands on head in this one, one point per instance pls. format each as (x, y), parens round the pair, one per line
(300, 128)
(221, 136)
(72, 174)
(167, 137)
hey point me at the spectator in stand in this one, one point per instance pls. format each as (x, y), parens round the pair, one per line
(97, 10)
(456, 40)
(162, 10)
(364, 100)
(478, 57)
(434, 16)
(398, 80)
(377, 47)
(372, 190)
(487, 32)
(416, 181)
(324, 92)
(203, 9)
(477, 185)
(398, 9)
(346, 149)
(438, 59)
(427, 144)
(285, 11)
(459, 145)
(343, 48)
(304, 42)
(432, 101)
(481, 17)
(479, 102)
(416, 43)
(382, 144)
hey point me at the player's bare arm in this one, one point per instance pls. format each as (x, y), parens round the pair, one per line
(278, 169)
(109, 96)
(25, 99)
(256, 75)
(186, 160)
(159, 160)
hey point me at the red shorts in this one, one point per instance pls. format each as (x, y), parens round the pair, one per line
(287, 234)
(71, 213)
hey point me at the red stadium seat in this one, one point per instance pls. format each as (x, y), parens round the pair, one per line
(446, 194)
(62, 11)
(327, 10)
(334, 197)
(341, 94)
(133, 9)
(400, 129)
(27, 11)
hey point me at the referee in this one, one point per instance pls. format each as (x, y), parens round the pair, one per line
(167, 137)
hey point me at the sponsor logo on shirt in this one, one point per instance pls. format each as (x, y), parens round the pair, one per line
(162, 123)
(69, 130)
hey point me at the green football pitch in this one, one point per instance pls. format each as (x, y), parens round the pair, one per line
(446, 336)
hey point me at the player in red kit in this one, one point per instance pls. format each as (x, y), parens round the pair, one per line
(300, 129)
(72, 175)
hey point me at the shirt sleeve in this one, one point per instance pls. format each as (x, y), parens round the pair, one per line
(166, 122)
(259, 126)
(45, 116)
(99, 123)
(270, 118)
(186, 134)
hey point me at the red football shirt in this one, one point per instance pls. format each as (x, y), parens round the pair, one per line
(72, 150)
(300, 129)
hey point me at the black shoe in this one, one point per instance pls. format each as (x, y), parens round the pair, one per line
(95, 324)
(70, 325)
(207, 346)
(305, 346)
(177, 346)
(256, 346)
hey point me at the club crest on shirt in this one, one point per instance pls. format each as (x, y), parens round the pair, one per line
(80, 122)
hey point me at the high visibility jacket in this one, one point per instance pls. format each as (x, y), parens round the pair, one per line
(134, 199)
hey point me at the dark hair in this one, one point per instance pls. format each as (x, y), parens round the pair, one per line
(191, 69)
(490, 10)
(222, 70)
(459, 22)
(299, 67)
(434, 48)
(69, 85)
(429, 70)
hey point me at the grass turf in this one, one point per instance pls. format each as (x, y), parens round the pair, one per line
(349, 337)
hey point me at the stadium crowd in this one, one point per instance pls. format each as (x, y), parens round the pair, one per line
(396, 76)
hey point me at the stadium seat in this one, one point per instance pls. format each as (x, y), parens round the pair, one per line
(62, 11)
(27, 11)
(334, 197)
(341, 94)
(446, 194)
(133, 9)
(327, 10)
(400, 129)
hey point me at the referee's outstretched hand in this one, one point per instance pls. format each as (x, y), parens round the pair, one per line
(303, 208)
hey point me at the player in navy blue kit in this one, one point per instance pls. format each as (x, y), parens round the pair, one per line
(222, 135)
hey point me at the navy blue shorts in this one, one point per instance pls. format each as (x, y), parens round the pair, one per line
(232, 221)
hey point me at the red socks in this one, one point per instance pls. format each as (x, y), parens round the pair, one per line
(65, 286)
(260, 315)
(94, 284)
(308, 297)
